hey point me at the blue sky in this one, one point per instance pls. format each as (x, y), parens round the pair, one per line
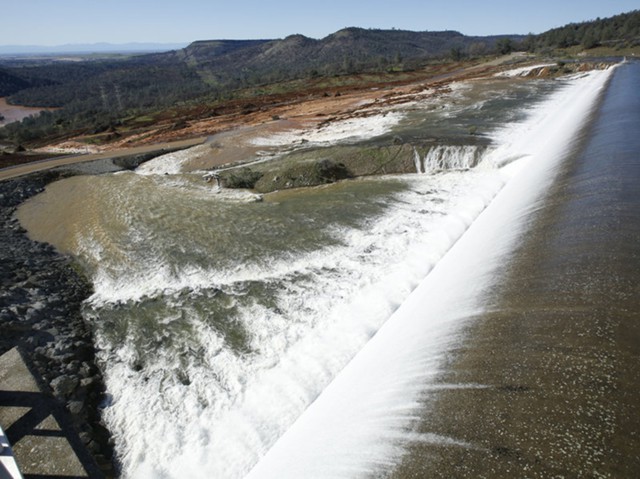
(57, 22)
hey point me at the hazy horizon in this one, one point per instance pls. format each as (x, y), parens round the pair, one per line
(45, 24)
(84, 48)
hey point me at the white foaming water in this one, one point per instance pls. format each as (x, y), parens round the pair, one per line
(417, 161)
(522, 71)
(352, 129)
(447, 157)
(361, 422)
(172, 163)
(337, 131)
(327, 304)
(236, 406)
(165, 164)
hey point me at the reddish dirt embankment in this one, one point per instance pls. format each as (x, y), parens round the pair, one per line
(314, 103)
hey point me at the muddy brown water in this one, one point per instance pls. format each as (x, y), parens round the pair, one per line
(13, 113)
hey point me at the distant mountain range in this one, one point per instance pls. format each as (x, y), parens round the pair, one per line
(212, 67)
(89, 48)
(97, 91)
(350, 50)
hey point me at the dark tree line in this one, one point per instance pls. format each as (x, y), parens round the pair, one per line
(95, 95)
(11, 83)
(620, 30)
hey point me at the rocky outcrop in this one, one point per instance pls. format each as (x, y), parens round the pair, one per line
(564, 68)
(310, 173)
(40, 299)
(315, 167)
(238, 178)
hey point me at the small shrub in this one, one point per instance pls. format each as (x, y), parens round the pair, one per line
(239, 178)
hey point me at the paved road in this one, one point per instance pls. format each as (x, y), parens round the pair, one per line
(15, 171)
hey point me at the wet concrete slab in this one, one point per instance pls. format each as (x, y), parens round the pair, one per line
(556, 351)
(43, 439)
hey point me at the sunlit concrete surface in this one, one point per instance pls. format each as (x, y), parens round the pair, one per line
(43, 443)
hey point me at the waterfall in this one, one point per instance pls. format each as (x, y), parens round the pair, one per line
(418, 161)
(451, 157)
(363, 422)
(283, 335)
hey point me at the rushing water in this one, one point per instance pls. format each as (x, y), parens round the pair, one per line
(367, 418)
(220, 318)
(556, 344)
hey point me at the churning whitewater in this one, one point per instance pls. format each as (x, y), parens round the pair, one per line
(220, 317)
(361, 424)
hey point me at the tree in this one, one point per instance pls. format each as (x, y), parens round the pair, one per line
(456, 53)
(477, 49)
(590, 40)
(528, 44)
(504, 46)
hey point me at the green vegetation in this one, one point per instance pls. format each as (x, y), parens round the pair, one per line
(108, 97)
(618, 32)
(98, 96)
(314, 167)
(11, 83)
(240, 178)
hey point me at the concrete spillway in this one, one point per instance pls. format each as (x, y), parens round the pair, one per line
(224, 326)
(558, 344)
(538, 377)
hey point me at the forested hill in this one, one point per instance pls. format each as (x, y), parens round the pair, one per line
(619, 30)
(10, 83)
(346, 51)
(99, 92)
(212, 67)
(95, 93)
